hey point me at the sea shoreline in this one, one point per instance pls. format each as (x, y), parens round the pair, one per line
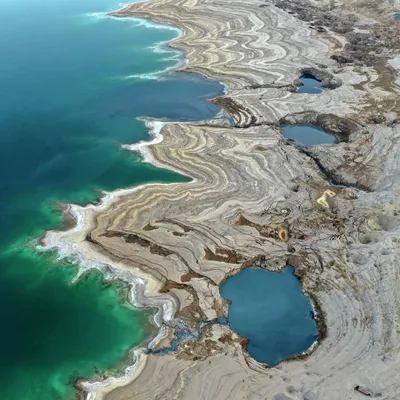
(247, 178)
(258, 48)
(97, 389)
(143, 288)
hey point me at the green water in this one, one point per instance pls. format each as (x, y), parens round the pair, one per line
(72, 86)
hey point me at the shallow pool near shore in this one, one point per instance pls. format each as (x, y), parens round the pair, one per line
(307, 134)
(271, 311)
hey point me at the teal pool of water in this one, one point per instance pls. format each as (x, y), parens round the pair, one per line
(272, 312)
(73, 83)
(310, 84)
(307, 134)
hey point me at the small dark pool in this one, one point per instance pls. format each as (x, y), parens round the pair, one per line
(272, 312)
(307, 134)
(310, 84)
(397, 16)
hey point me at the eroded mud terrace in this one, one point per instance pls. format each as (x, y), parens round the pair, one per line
(253, 201)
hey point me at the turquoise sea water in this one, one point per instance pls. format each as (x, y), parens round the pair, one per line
(272, 312)
(72, 85)
(307, 134)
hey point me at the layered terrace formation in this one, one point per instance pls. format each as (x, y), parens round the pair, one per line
(253, 201)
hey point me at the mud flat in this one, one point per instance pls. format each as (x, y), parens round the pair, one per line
(253, 202)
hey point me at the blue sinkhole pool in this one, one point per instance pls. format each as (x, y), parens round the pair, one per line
(271, 311)
(307, 134)
(310, 84)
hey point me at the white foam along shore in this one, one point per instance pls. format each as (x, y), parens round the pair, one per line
(154, 128)
(143, 287)
(159, 47)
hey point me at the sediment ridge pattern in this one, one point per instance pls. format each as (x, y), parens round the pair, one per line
(253, 201)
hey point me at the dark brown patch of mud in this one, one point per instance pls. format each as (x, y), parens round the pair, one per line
(223, 255)
(275, 232)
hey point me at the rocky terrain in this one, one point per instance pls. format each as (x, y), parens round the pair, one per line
(253, 200)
